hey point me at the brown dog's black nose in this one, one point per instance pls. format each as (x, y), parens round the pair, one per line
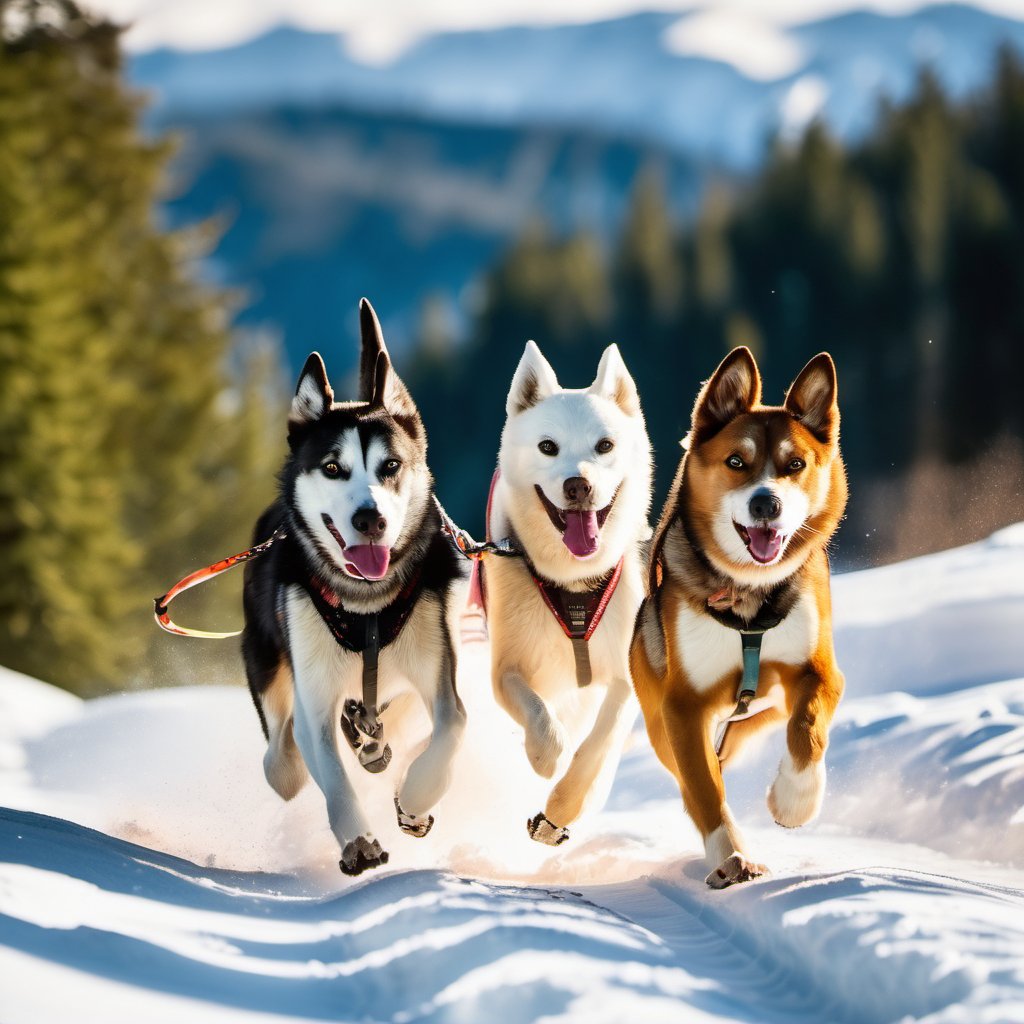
(764, 505)
(576, 489)
(369, 522)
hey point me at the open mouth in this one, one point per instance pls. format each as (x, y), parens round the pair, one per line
(580, 528)
(362, 561)
(763, 542)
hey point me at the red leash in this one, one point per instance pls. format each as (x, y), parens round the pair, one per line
(161, 604)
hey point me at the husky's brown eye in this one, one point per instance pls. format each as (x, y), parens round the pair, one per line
(795, 465)
(735, 462)
(604, 446)
(548, 447)
(390, 468)
(331, 469)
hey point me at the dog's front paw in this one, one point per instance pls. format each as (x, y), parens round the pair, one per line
(543, 831)
(795, 796)
(734, 869)
(374, 756)
(544, 746)
(413, 824)
(363, 853)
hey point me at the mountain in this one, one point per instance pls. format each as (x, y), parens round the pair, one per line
(618, 77)
(335, 179)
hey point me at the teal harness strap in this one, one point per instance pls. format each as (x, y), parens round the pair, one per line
(751, 641)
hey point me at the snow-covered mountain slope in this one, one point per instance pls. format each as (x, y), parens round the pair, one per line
(199, 893)
(625, 76)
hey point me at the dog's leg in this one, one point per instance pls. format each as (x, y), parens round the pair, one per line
(429, 776)
(600, 750)
(282, 763)
(317, 705)
(796, 794)
(738, 733)
(545, 736)
(689, 729)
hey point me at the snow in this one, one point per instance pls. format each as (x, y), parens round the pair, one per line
(147, 872)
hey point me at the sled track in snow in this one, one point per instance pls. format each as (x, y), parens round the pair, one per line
(431, 946)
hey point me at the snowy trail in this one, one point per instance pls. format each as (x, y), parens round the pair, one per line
(429, 945)
(148, 872)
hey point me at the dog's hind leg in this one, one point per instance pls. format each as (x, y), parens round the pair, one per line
(545, 737)
(282, 764)
(429, 776)
(595, 759)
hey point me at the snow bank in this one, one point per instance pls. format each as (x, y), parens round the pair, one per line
(202, 894)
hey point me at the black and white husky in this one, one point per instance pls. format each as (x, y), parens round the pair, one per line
(355, 607)
(573, 492)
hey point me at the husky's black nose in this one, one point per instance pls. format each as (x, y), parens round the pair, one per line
(576, 489)
(764, 505)
(369, 522)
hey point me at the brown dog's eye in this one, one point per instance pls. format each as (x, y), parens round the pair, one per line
(604, 446)
(390, 468)
(795, 465)
(548, 447)
(735, 462)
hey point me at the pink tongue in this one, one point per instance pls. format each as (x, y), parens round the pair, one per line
(581, 532)
(764, 542)
(371, 561)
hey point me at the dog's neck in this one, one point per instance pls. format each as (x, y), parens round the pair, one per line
(734, 603)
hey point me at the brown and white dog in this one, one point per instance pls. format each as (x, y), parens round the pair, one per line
(741, 546)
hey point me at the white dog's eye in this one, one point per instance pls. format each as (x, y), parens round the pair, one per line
(604, 446)
(548, 447)
(735, 462)
(331, 469)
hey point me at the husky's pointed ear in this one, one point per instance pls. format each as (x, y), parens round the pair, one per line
(734, 388)
(813, 398)
(613, 381)
(379, 385)
(534, 380)
(313, 394)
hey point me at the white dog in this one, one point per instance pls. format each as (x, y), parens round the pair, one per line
(573, 492)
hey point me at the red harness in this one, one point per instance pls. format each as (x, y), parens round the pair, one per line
(579, 613)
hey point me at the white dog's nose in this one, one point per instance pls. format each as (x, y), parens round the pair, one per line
(577, 489)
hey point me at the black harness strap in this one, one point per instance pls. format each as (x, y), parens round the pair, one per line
(365, 634)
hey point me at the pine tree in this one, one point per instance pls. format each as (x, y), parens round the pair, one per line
(120, 451)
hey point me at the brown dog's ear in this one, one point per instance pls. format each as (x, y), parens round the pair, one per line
(313, 394)
(813, 398)
(734, 388)
(379, 385)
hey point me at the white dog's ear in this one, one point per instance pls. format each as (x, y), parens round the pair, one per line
(734, 388)
(313, 394)
(614, 382)
(534, 381)
(813, 398)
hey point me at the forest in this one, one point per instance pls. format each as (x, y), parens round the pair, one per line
(140, 434)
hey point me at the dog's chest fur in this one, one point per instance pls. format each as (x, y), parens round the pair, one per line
(338, 673)
(710, 651)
